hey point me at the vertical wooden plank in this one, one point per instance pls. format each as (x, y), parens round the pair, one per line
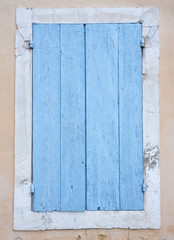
(46, 117)
(131, 128)
(72, 117)
(102, 117)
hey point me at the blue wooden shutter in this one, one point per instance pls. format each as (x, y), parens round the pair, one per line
(114, 117)
(58, 117)
(90, 72)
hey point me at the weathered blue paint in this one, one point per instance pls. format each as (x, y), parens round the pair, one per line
(102, 117)
(72, 118)
(130, 117)
(58, 117)
(46, 117)
(108, 98)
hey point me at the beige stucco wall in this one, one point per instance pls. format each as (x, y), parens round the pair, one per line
(7, 83)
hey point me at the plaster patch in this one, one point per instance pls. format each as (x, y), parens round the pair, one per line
(151, 157)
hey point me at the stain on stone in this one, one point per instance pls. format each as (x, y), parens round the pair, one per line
(151, 157)
(102, 237)
(79, 237)
(25, 181)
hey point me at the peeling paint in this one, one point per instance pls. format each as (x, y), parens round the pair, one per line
(151, 157)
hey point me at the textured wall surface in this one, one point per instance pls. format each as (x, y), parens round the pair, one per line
(7, 83)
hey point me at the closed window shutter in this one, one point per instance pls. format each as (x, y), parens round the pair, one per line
(58, 117)
(87, 111)
(114, 117)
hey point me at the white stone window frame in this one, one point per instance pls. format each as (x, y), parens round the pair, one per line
(24, 217)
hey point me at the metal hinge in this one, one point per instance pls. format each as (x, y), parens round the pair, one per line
(32, 188)
(142, 43)
(143, 187)
(28, 44)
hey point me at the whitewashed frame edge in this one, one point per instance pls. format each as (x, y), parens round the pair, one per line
(24, 217)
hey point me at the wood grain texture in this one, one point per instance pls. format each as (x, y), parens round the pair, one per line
(102, 116)
(72, 117)
(130, 117)
(113, 113)
(46, 117)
